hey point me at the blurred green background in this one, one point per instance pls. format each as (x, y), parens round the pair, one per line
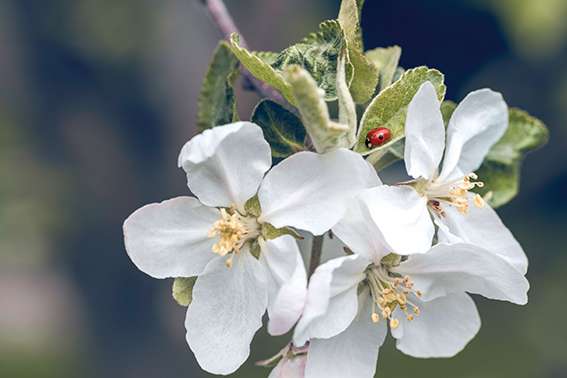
(98, 96)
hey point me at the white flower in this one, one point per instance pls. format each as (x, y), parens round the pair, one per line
(211, 236)
(422, 296)
(477, 123)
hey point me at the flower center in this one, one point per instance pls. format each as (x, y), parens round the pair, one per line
(233, 230)
(453, 193)
(390, 291)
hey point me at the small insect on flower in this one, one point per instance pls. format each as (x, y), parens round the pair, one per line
(377, 137)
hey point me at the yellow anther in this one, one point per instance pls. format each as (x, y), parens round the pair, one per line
(375, 317)
(228, 261)
(478, 201)
(453, 193)
(389, 292)
(233, 230)
(394, 323)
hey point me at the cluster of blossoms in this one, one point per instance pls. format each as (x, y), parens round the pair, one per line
(408, 254)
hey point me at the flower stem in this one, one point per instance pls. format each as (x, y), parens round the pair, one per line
(226, 26)
(316, 252)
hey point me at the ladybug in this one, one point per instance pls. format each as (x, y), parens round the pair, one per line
(377, 137)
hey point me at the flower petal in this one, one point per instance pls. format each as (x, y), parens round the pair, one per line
(331, 298)
(359, 233)
(425, 133)
(227, 309)
(311, 191)
(443, 328)
(226, 164)
(398, 211)
(457, 268)
(477, 123)
(169, 239)
(289, 283)
(483, 227)
(353, 353)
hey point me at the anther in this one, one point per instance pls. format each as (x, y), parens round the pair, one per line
(375, 317)
(394, 323)
(478, 201)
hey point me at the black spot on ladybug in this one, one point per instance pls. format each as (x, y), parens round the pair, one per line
(377, 137)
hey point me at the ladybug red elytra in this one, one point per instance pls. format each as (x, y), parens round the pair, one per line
(377, 137)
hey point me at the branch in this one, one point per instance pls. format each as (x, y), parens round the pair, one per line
(226, 26)
(316, 252)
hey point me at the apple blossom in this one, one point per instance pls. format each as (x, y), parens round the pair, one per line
(476, 124)
(235, 235)
(423, 297)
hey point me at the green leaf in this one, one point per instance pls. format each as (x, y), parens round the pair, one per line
(283, 130)
(182, 290)
(267, 56)
(500, 170)
(260, 69)
(365, 77)
(324, 133)
(524, 133)
(365, 73)
(383, 158)
(388, 109)
(347, 107)
(318, 54)
(216, 103)
(501, 182)
(386, 61)
(447, 109)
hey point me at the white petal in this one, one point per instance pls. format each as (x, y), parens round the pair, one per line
(353, 353)
(398, 211)
(227, 309)
(478, 122)
(225, 164)
(287, 272)
(331, 298)
(311, 191)
(483, 227)
(339, 315)
(425, 133)
(447, 269)
(443, 328)
(290, 368)
(169, 239)
(359, 233)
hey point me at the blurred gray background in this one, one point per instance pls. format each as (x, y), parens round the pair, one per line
(98, 96)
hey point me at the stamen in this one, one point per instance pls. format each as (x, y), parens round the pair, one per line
(375, 317)
(478, 201)
(389, 292)
(453, 193)
(394, 323)
(233, 230)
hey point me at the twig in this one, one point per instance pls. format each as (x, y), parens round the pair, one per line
(226, 25)
(316, 252)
